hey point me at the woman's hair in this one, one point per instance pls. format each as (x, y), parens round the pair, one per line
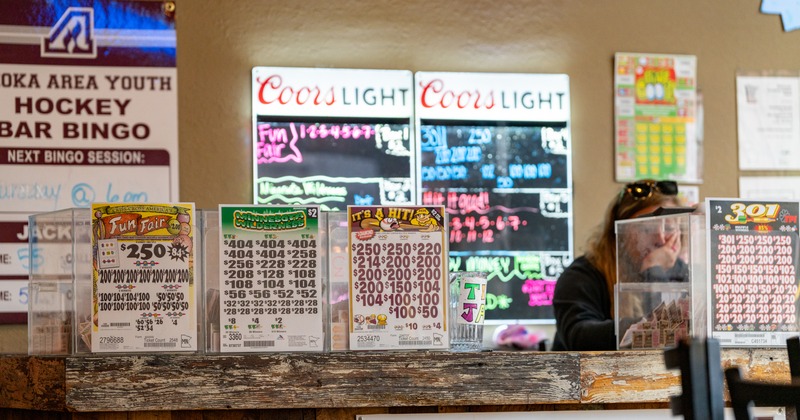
(602, 245)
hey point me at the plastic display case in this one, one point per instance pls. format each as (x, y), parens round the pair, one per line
(61, 304)
(660, 294)
(339, 282)
(60, 282)
(209, 234)
(60, 315)
(211, 275)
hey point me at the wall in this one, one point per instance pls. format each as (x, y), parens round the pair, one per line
(220, 41)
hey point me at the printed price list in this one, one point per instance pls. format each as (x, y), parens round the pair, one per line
(753, 286)
(270, 279)
(755, 281)
(125, 281)
(405, 277)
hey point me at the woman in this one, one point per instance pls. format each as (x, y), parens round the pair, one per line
(583, 298)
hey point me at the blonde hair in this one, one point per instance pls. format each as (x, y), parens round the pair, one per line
(601, 248)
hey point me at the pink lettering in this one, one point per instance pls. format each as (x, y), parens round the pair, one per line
(465, 203)
(272, 143)
(469, 312)
(433, 198)
(540, 292)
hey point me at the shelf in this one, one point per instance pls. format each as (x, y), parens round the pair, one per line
(351, 380)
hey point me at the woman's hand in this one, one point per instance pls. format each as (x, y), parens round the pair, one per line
(664, 255)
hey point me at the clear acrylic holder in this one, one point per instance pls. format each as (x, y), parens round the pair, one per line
(211, 276)
(59, 249)
(339, 282)
(61, 271)
(60, 285)
(467, 301)
(655, 308)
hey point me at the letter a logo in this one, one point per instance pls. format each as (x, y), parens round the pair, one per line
(72, 36)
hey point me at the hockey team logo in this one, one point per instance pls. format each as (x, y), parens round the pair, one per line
(72, 36)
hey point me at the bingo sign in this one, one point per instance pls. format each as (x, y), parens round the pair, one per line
(143, 298)
(332, 137)
(398, 278)
(271, 279)
(495, 151)
(88, 103)
(753, 248)
(15, 264)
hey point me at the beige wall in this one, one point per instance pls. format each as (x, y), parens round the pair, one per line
(220, 41)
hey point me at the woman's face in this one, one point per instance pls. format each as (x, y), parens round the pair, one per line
(656, 235)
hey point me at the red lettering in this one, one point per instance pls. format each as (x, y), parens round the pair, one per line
(273, 82)
(281, 99)
(272, 90)
(432, 87)
(307, 90)
(466, 95)
(434, 94)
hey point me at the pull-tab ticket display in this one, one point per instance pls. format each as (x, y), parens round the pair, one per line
(753, 248)
(270, 279)
(397, 277)
(143, 294)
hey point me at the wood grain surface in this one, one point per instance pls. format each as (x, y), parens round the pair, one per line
(339, 385)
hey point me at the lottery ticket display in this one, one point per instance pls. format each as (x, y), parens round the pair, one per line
(143, 278)
(660, 280)
(664, 326)
(753, 260)
(398, 278)
(270, 279)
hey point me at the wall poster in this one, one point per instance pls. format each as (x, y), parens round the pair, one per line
(656, 117)
(88, 103)
(753, 261)
(495, 151)
(332, 137)
(768, 120)
(784, 188)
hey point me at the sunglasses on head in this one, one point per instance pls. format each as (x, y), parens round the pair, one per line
(644, 189)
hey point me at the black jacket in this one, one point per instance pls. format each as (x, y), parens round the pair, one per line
(582, 305)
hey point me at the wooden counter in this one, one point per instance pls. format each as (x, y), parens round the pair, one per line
(339, 385)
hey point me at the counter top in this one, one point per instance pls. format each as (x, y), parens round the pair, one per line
(353, 379)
